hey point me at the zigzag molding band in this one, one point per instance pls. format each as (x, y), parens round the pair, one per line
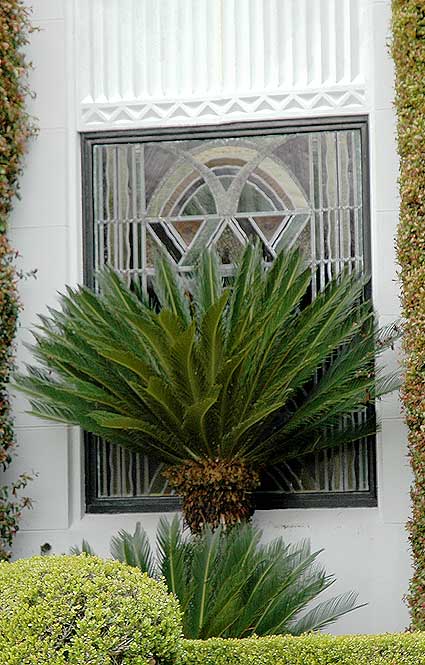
(108, 115)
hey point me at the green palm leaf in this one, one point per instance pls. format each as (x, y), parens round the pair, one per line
(195, 420)
(173, 553)
(208, 286)
(85, 548)
(134, 549)
(238, 561)
(170, 290)
(155, 439)
(211, 343)
(204, 562)
(326, 613)
(245, 294)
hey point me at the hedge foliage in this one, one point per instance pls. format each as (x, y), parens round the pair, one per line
(68, 610)
(407, 649)
(16, 127)
(408, 50)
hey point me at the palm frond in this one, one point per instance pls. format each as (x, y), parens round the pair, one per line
(85, 548)
(204, 562)
(388, 335)
(388, 383)
(273, 591)
(207, 287)
(116, 291)
(185, 366)
(134, 549)
(356, 427)
(326, 613)
(238, 561)
(195, 421)
(173, 552)
(169, 289)
(244, 295)
(211, 340)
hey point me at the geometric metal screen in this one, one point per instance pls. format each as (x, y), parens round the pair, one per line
(285, 189)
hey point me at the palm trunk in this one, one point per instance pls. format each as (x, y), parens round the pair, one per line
(214, 492)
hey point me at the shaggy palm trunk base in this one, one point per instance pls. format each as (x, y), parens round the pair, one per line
(214, 492)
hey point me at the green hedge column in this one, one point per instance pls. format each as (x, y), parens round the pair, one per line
(15, 129)
(408, 50)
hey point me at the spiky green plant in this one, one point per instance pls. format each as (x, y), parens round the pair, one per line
(221, 380)
(85, 549)
(231, 585)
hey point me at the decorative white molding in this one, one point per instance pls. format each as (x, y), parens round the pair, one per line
(170, 62)
(162, 113)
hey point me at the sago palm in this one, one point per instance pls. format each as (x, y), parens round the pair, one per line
(217, 380)
(229, 584)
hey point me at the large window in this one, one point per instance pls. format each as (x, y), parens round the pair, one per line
(182, 190)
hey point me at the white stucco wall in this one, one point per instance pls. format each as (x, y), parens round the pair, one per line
(83, 82)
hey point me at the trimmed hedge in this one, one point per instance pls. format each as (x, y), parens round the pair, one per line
(408, 50)
(70, 610)
(406, 649)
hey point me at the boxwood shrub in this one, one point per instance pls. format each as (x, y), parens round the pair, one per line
(74, 610)
(406, 649)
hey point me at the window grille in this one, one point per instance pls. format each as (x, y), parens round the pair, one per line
(281, 186)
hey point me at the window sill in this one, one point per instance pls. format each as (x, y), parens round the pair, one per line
(263, 501)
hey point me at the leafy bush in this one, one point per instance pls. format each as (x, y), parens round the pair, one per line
(407, 649)
(230, 585)
(221, 380)
(11, 506)
(74, 610)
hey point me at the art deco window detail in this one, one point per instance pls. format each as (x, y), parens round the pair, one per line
(285, 188)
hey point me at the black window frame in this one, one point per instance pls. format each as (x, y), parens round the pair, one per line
(263, 500)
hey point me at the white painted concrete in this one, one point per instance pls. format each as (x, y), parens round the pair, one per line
(366, 548)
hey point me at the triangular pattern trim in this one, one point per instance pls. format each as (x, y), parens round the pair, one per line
(163, 112)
